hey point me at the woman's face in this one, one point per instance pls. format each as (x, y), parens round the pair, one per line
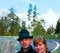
(40, 48)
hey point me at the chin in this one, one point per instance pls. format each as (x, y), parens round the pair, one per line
(25, 47)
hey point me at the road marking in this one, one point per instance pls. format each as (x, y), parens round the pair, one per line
(56, 46)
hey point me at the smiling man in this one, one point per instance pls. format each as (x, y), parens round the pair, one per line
(25, 39)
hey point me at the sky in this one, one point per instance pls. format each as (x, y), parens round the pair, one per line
(48, 9)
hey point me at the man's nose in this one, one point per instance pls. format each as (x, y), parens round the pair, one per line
(24, 41)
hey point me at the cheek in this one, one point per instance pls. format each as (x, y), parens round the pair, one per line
(43, 46)
(37, 47)
(40, 47)
(28, 42)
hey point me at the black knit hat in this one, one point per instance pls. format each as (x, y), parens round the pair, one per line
(24, 34)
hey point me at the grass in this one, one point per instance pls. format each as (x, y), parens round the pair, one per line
(51, 36)
(59, 50)
(9, 36)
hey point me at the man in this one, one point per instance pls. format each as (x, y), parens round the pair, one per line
(25, 39)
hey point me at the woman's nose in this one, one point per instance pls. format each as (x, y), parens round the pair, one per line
(38, 46)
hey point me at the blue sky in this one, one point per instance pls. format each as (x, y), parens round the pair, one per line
(23, 5)
(48, 9)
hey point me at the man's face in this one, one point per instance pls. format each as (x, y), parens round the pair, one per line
(25, 42)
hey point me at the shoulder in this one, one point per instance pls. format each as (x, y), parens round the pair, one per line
(31, 50)
(21, 51)
(18, 52)
(49, 52)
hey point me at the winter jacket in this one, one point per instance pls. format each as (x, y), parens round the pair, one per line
(31, 50)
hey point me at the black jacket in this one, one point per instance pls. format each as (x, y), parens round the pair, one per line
(49, 52)
(31, 50)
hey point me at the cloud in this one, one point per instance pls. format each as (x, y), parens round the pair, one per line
(22, 16)
(50, 18)
(4, 12)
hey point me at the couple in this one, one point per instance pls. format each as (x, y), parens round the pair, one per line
(25, 39)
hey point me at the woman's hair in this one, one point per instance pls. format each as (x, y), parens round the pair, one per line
(39, 39)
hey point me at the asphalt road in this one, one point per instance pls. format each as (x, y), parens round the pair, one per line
(53, 45)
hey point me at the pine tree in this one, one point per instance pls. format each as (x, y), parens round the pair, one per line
(23, 25)
(2, 29)
(29, 12)
(14, 26)
(39, 29)
(34, 21)
(50, 30)
(57, 30)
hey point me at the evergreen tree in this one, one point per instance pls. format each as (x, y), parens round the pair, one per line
(35, 12)
(9, 24)
(13, 23)
(50, 30)
(3, 25)
(57, 30)
(34, 21)
(39, 30)
(23, 25)
(36, 26)
(14, 28)
(29, 12)
(2, 29)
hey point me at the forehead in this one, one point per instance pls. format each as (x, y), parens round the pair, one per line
(25, 39)
(38, 41)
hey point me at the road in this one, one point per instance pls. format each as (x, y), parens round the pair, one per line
(53, 45)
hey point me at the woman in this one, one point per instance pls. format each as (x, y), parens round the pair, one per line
(40, 45)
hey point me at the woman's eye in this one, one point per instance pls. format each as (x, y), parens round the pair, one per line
(40, 44)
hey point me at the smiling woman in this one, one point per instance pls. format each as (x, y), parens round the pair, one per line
(40, 45)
